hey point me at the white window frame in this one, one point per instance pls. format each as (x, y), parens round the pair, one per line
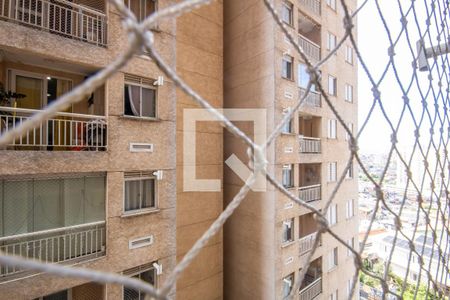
(333, 259)
(349, 287)
(288, 60)
(289, 167)
(288, 127)
(332, 215)
(349, 174)
(140, 177)
(332, 171)
(289, 281)
(331, 41)
(290, 9)
(139, 270)
(288, 225)
(350, 126)
(349, 54)
(350, 209)
(348, 93)
(332, 85)
(334, 295)
(332, 129)
(332, 4)
(351, 243)
(141, 83)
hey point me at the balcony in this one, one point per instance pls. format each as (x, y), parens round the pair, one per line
(310, 193)
(65, 131)
(314, 99)
(311, 286)
(70, 244)
(65, 18)
(311, 49)
(56, 218)
(306, 243)
(312, 6)
(31, 87)
(312, 290)
(309, 145)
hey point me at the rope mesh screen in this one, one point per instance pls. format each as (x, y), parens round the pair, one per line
(421, 121)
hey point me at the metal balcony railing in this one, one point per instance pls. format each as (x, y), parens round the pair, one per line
(309, 145)
(313, 99)
(311, 5)
(306, 243)
(66, 131)
(312, 290)
(75, 243)
(58, 17)
(310, 193)
(310, 48)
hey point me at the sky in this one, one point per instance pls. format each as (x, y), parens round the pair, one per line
(373, 43)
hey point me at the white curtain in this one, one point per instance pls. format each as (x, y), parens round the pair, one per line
(134, 97)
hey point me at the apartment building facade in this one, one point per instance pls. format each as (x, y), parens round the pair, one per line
(100, 184)
(269, 236)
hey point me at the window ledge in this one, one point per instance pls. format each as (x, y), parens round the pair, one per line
(145, 119)
(288, 133)
(139, 212)
(332, 269)
(287, 244)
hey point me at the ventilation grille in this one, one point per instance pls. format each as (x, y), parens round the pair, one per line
(141, 147)
(138, 80)
(140, 242)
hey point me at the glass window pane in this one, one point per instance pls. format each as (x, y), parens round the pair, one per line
(73, 194)
(32, 88)
(132, 194)
(132, 100)
(148, 195)
(17, 207)
(130, 294)
(47, 204)
(148, 103)
(95, 194)
(148, 276)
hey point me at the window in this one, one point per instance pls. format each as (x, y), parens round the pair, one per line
(287, 65)
(334, 295)
(287, 13)
(332, 171)
(62, 295)
(332, 124)
(145, 273)
(350, 209)
(332, 214)
(288, 231)
(56, 201)
(287, 127)
(332, 259)
(351, 243)
(139, 97)
(348, 93)
(332, 85)
(141, 8)
(331, 41)
(332, 4)
(349, 54)
(288, 282)
(139, 191)
(347, 136)
(350, 171)
(288, 176)
(349, 287)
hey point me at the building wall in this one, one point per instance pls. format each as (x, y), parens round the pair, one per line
(200, 64)
(40, 49)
